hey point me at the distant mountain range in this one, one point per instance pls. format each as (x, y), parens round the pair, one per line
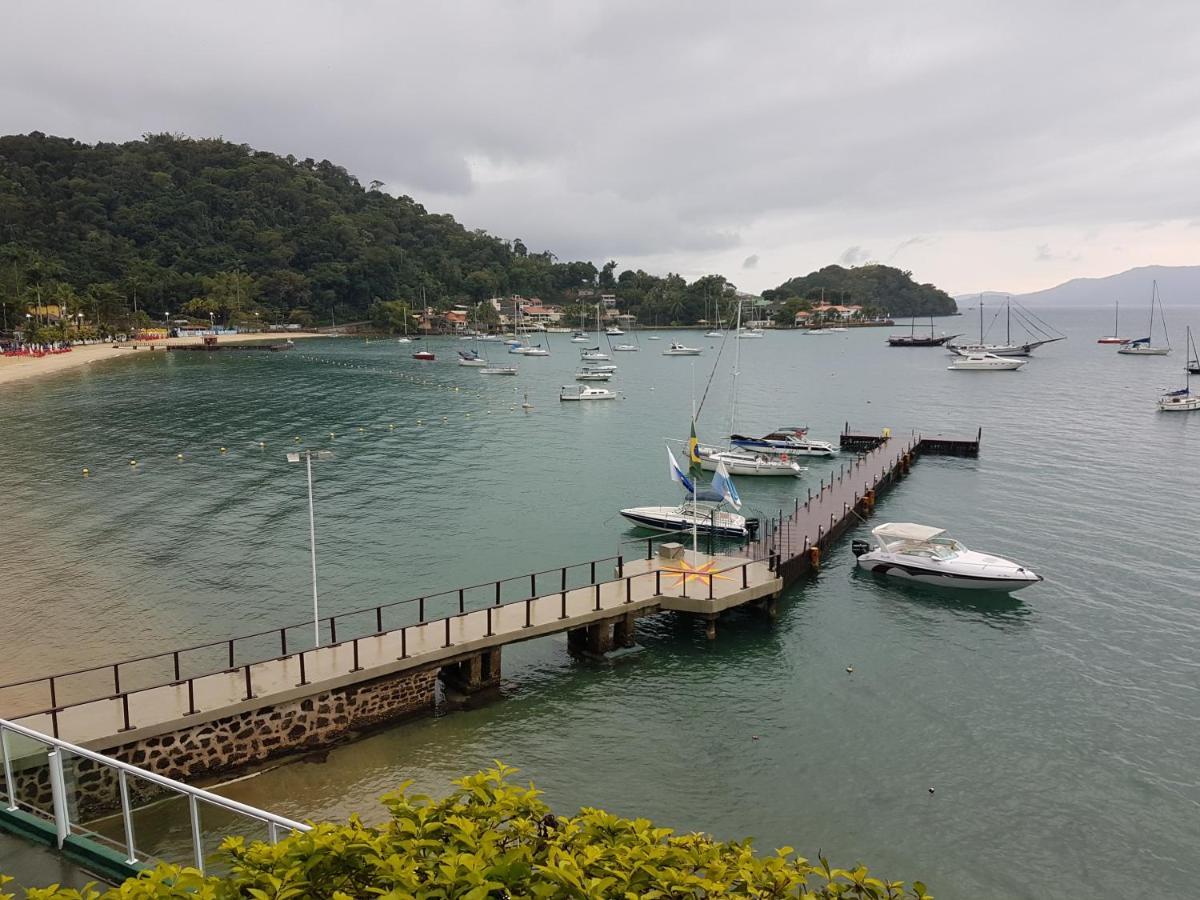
(1177, 285)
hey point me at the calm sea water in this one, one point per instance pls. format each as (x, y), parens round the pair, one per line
(1057, 727)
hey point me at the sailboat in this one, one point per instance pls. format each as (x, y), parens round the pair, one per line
(406, 339)
(523, 347)
(911, 339)
(739, 460)
(1183, 400)
(594, 354)
(1038, 332)
(1145, 346)
(716, 332)
(1114, 338)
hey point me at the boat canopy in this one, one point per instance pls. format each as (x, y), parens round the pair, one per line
(907, 531)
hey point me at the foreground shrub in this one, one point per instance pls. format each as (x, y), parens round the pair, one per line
(493, 840)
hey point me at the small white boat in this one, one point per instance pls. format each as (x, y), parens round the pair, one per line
(588, 374)
(751, 334)
(985, 362)
(1142, 347)
(678, 349)
(653, 337)
(705, 515)
(579, 338)
(713, 334)
(491, 338)
(839, 330)
(742, 462)
(534, 350)
(403, 340)
(471, 359)
(1183, 400)
(605, 367)
(498, 370)
(625, 348)
(922, 553)
(584, 392)
(593, 353)
(1145, 346)
(613, 331)
(818, 331)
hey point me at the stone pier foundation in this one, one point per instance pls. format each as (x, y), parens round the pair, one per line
(591, 640)
(475, 673)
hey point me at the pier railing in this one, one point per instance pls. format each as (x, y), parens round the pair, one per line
(435, 624)
(57, 752)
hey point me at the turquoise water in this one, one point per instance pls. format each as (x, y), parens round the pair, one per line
(1057, 727)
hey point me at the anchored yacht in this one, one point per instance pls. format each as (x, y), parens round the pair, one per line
(923, 553)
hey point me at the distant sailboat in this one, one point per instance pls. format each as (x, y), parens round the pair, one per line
(1115, 337)
(1145, 346)
(1183, 400)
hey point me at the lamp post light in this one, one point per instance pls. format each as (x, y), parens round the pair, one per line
(312, 533)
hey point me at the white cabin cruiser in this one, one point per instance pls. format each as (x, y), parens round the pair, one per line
(786, 441)
(985, 362)
(678, 349)
(704, 514)
(589, 374)
(583, 392)
(592, 353)
(579, 338)
(625, 348)
(498, 370)
(924, 554)
(751, 334)
(613, 331)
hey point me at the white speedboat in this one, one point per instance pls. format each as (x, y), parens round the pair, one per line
(924, 554)
(713, 334)
(705, 515)
(625, 348)
(404, 340)
(471, 359)
(603, 367)
(751, 334)
(498, 370)
(743, 462)
(579, 338)
(653, 337)
(589, 374)
(583, 392)
(985, 362)
(678, 349)
(786, 441)
(818, 331)
(613, 331)
(593, 353)
(529, 350)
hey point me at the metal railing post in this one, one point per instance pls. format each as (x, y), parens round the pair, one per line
(126, 816)
(197, 844)
(9, 786)
(58, 796)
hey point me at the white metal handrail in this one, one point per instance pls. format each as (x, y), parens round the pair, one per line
(62, 819)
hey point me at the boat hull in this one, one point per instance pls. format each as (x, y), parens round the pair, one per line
(736, 464)
(1179, 404)
(821, 450)
(1131, 350)
(941, 578)
(669, 519)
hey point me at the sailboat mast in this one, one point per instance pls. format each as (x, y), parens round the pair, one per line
(1117, 319)
(981, 318)
(1008, 323)
(737, 365)
(695, 478)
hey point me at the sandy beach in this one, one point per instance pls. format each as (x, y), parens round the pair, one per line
(20, 368)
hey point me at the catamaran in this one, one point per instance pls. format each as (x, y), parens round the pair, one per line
(1145, 346)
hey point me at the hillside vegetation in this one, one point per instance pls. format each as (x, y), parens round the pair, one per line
(876, 287)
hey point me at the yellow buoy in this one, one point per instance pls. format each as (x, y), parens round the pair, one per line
(331, 434)
(85, 472)
(297, 439)
(133, 462)
(223, 450)
(179, 456)
(391, 427)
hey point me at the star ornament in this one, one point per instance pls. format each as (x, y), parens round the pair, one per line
(703, 573)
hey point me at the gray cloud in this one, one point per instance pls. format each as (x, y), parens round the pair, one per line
(625, 129)
(750, 262)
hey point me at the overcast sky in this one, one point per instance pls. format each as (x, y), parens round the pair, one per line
(1004, 145)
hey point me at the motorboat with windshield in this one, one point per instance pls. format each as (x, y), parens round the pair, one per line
(978, 361)
(786, 441)
(586, 373)
(924, 554)
(706, 514)
(678, 349)
(751, 334)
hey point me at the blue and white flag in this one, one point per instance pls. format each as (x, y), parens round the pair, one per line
(723, 485)
(677, 473)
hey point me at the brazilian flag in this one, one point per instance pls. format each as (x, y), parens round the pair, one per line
(694, 468)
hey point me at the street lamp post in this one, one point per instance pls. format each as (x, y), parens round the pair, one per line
(312, 533)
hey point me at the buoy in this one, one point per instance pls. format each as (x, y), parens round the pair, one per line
(133, 462)
(391, 427)
(85, 473)
(179, 456)
(297, 439)
(361, 430)
(754, 737)
(262, 443)
(331, 434)
(931, 790)
(222, 449)
(850, 669)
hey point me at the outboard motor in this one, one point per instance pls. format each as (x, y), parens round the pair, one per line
(752, 529)
(859, 547)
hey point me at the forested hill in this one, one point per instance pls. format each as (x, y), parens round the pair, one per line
(873, 286)
(168, 219)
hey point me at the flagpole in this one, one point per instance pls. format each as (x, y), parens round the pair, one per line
(695, 478)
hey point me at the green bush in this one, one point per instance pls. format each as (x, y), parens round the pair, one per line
(493, 839)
